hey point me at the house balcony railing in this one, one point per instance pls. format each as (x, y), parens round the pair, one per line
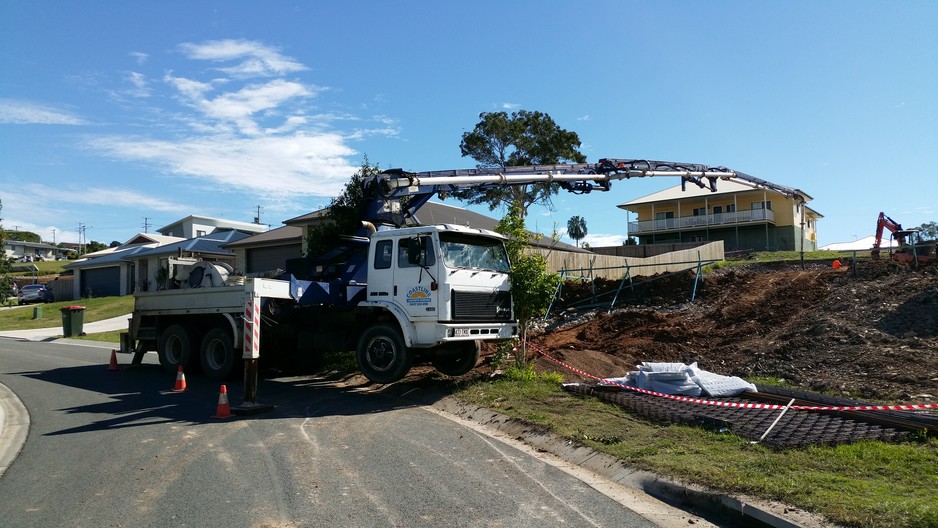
(701, 221)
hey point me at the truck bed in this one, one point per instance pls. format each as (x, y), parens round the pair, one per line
(223, 299)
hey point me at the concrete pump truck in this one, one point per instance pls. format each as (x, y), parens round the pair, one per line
(392, 292)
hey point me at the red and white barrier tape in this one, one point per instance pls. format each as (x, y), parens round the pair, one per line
(771, 406)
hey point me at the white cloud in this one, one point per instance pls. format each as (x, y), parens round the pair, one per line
(602, 240)
(239, 107)
(26, 113)
(510, 106)
(257, 59)
(140, 86)
(139, 56)
(311, 165)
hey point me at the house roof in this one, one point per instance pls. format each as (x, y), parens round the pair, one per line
(281, 235)
(221, 223)
(724, 187)
(147, 238)
(210, 244)
(35, 245)
(861, 244)
(437, 213)
(112, 257)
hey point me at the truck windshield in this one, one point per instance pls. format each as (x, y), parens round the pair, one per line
(473, 252)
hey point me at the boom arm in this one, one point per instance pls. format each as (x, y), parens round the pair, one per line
(884, 222)
(392, 185)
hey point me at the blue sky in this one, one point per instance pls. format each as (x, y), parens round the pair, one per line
(116, 115)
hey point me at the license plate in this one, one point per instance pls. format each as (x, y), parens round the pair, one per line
(461, 332)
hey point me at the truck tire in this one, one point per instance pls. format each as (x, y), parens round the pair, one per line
(382, 356)
(174, 348)
(218, 355)
(456, 359)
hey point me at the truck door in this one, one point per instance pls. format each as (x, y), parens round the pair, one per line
(415, 289)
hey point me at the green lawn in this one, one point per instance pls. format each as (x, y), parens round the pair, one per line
(869, 484)
(23, 317)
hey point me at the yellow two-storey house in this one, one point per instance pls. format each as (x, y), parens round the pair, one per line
(743, 216)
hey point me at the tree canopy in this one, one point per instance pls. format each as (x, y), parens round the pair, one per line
(929, 230)
(523, 138)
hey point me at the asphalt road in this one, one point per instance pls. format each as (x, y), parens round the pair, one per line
(121, 448)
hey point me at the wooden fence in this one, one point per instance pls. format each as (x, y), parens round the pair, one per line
(589, 265)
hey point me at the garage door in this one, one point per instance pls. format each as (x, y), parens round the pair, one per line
(101, 282)
(271, 258)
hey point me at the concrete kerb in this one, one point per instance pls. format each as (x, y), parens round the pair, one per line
(684, 495)
(14, 427)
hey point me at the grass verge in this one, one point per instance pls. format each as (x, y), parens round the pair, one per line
(105, 337)
(869, 484)
(97, 309)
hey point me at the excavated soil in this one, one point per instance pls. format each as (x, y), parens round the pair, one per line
(869, 332)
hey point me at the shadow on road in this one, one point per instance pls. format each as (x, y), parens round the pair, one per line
(143, 395)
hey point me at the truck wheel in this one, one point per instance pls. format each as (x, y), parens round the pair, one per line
(456, 359)
(174, 348)
(218, 354)
(382, 356)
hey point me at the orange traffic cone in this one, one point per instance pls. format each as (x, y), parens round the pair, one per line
(113, 365)
(223, 410)
(180, 381)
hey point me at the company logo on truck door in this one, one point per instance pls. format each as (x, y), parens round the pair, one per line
(418, 296)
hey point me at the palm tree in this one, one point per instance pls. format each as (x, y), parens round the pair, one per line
(576, 228)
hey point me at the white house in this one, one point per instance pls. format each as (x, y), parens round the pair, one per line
(194, 226)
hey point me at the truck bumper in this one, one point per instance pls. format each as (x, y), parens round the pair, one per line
(439, 333)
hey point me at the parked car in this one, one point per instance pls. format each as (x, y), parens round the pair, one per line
(34, 293)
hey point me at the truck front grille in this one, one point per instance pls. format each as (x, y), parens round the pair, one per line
(477, 306)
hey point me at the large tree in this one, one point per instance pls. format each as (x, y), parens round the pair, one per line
(523, 138)
(929, 230)
(576, 228)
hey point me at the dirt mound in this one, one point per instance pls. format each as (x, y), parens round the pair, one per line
(870, 333)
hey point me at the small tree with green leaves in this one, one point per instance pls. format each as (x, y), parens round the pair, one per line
(532, 287)
(344, 215)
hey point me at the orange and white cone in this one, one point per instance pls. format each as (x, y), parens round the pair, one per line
(113, 364)
(224, 410)
(180, 380)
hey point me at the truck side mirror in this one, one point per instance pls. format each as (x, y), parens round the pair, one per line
(414, 251)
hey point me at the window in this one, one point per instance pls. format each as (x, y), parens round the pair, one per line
(664, 220)
(762, 205)
(462, 251)
(383, 250)
(717, 209)
(696, 238)
(731, 208)
(700, 211)
(422, 246)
